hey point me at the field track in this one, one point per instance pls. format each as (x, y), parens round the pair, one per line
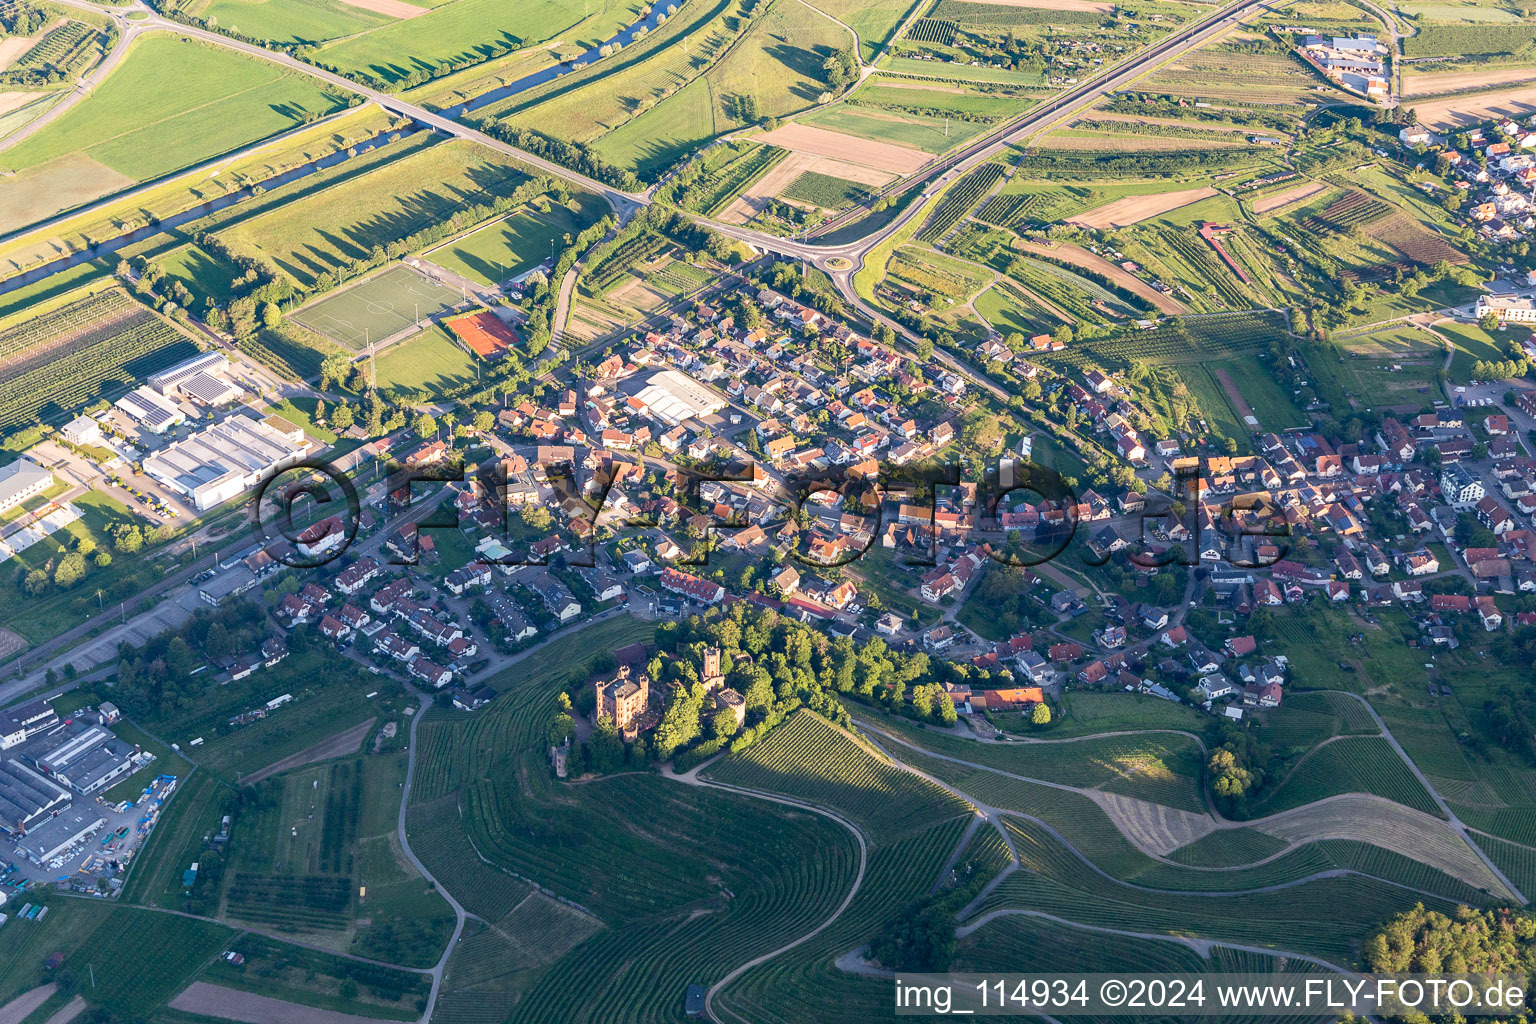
(1235, 396)
(233, 1004)
(1289, 196)
(20, 1008)
(339, 745)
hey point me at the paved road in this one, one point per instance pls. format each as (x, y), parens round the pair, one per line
(127, 32)
(625, 203)
(459, 914)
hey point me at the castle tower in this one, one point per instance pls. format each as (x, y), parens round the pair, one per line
(712, 677)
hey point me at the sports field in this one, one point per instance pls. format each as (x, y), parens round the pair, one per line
(377, 308)
(425, 364)
(509, 247)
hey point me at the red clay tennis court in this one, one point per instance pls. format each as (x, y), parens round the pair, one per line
(484, 332)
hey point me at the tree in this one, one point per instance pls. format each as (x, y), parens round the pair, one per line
(922, 701)
(723, 724)
(342, 419)
(69, 570)
(217, 643)
(425, 426)
(1229, 776)
(925, 349)
(1488, 321)
(605, 749)
(1041, 715)
(536, 516)
(484, 421)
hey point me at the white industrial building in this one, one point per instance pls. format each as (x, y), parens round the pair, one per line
(223, 461)
(674, 397)
(200, 378)
(151, 410)
(21, 480)
(171, 379)
(59, 833)
(82, 430)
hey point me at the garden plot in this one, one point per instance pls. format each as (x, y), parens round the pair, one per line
(882, 156)
(1135, 209)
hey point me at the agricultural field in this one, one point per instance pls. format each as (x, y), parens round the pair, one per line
(290, 22)
(468, 31)
(922, 132)
(131, 130)
(324, 232)
(98, 347)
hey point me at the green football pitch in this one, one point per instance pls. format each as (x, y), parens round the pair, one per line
(378, 308)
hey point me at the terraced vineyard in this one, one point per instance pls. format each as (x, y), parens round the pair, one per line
(809, 759)
(1350, 765)
(1327, 917)
(1355, 208)
(91, 349)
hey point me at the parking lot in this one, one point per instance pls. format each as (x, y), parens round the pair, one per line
(90, 858)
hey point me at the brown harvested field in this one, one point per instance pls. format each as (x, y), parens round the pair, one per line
(11, 643)
(233, 1004)
(1381, 822)
(1154, 828)
(42, 191)
(20, 1008)
(884, 156)
(1461, 81)
(339, 745)
(1289, 196)
(786, 172)
(1078, 256)
(392, 8)
(10, 101)
(68, 1012)
(1134, 209)
(1056, 5)
(1459, 111)
(906, 83)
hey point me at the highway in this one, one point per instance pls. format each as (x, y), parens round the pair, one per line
(625, 204)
